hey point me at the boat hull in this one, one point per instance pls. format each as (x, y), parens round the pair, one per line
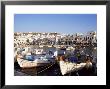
(68, 67)
(31, 64)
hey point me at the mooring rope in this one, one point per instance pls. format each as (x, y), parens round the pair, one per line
(45, 68)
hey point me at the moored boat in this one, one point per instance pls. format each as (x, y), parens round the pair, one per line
(68, 67)
(29, 61)
(43, 60)
(70, 48)
(25, 63)
(39, 51)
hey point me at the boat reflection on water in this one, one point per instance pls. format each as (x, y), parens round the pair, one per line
(49, 62)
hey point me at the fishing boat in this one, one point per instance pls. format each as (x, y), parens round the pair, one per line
(68, 67)
(30, 61)
(59, 52)
(40, 51)
(43, 60)
(25, 63)
(70, 48)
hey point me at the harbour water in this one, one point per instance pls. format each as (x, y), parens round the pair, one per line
(54, 69)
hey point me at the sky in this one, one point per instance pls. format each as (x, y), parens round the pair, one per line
(60, 23)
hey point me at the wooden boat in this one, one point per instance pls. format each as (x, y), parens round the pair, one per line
(68, 67)
(41, 61)
(45, 59)
(40, 51)
(70, 48)
(25, 63)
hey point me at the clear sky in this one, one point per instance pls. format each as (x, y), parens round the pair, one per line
(61, 23)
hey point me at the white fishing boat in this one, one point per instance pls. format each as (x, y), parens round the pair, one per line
(29, 61)
(40, 51)
(70, 48)
(59, 52)
(25, 63)
(68, 67)
(47, 59)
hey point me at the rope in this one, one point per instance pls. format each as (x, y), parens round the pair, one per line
(45, 68)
